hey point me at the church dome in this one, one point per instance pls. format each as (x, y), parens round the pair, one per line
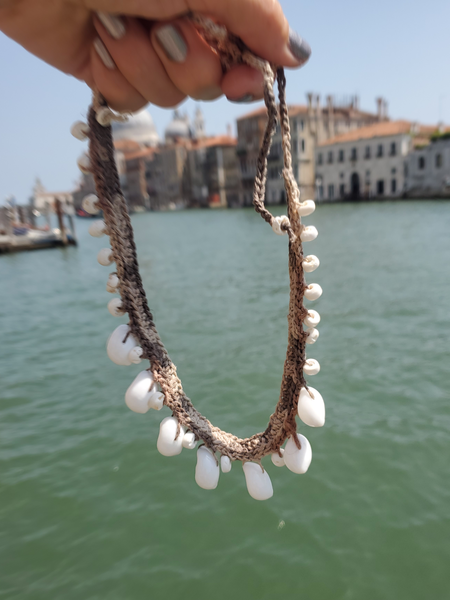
(179, 127)
(139, 128)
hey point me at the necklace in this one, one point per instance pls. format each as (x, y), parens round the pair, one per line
(159, 385)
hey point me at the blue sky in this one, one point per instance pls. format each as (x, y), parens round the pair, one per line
(398, 49)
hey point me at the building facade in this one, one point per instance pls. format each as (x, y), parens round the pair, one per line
(310, 125)
(428, 169)
(368, 162)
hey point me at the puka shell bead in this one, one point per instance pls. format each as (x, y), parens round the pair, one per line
(296, 460)
(306, 208)
(313, 335)
(134, 355)
(309, 234)
(310, 263)
(119, 350)
(168, 444)
(105, 257)
(313, 291)
(311, 366)
(156, 400)
(189, 440)
(97, 228)
(277, 222)
(225, 464)
(84, 163)
(115, 307)
(80, 130)
(258, 481)
(278, 460)
(207, 469)
(312, 319)
(89, 204)
(311, 410)
(112, 284)
(138, 394)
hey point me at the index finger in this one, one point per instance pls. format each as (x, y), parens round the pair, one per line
(260, 24)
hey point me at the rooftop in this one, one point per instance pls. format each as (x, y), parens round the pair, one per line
(382, 129)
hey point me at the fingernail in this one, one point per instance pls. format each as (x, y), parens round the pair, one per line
(104, 55)
(172, 43)
(299, 47)
(113, 25)
(243, 99)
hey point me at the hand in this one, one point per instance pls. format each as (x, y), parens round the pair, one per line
(151, 52)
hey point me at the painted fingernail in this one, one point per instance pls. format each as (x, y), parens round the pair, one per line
(299, 47)
(172, 43)
(103, 53)
(113, 25)
(243, 99)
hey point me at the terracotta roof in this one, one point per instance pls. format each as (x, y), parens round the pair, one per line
(293, 109)
(141, 153)
(383, 129)
(126, 145)
(217, 140)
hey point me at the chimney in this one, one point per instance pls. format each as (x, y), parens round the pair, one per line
(310, 99)
(380, 108)
(356, 102)
(385, 110)
(330, 106)
(229, 131)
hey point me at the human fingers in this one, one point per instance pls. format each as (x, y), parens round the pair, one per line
(189, 61)
(128, 43)
(110, 82)
(243, 84)
(261, 24)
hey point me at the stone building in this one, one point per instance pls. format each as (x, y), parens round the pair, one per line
(44, 201)
(367, 162)
(310, 125)
(427, 169)
(212, 175)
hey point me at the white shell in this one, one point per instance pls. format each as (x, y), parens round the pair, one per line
(207, 469)
(297, 460)
(189, 440)
(306, 208)
(311, 410)
(138, 394)
(80, 130)
(168, 444)
(225, 464)
(134, 355)
(313, 335)
(112, 284)
(310, 263)
(258, 481)
(313, 291)
(278, 460)
(311, 366)
(84, 163)
(97, 228)
(115, 307)
(277, 222)
(89, 204)
(104, 116)
(156, 400)
(105, 257)
(118, 350)
(312, 319)
(309, 233)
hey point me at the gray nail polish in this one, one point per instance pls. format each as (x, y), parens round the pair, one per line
(299, 47)
(172, 43)
(243, 99)
(113, 25)
(103, 53)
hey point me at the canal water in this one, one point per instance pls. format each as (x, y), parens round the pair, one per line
(90, 511)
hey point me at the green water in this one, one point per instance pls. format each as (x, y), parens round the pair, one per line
(89, 509)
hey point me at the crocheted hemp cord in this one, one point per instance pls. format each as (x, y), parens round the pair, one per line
(282, 423)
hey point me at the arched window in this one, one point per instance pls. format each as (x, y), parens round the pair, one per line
(421, 162)
(438, 161)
